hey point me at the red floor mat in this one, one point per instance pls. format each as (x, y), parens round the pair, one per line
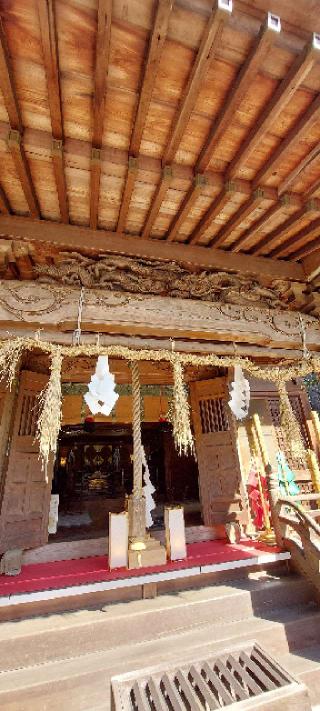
(65, 573)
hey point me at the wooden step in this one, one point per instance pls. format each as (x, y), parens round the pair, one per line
(85, 679)
(39, 640)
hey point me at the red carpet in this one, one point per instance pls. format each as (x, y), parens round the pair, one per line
(65, 573)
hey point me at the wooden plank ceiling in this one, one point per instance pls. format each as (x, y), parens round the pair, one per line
(186, 121)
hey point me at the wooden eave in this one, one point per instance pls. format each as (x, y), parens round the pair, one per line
(172, 129)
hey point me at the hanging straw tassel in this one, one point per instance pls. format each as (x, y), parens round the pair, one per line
(181, 411)
(50, 411)
(10, 355)
(289, 423)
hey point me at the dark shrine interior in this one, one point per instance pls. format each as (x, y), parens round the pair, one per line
(94, 474)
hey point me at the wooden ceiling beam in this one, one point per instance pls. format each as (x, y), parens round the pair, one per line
(214, 210)
(187, 204)
(156, 43)
(283, 94)
(51, 62)
(60, 178)
(236, 94)
(22, 167)
(263, 222)
(95, 175)
(311, 265)
(306, 162)
(199, 70)
(7, 84)
(73, 237)
(281, 231)
(127, 193)
(297, 132)
(254, 201)
(156, 202)
(315, 187)
(101, 69)
(104, 16)
(312, 230)
(4, 203)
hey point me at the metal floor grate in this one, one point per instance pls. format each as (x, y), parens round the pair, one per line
(203, 685)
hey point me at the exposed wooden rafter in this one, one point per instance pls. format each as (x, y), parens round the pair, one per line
(8, 89)
(311, 265)
(127, 193)
(98, 103)
(263, 221)
(7, 84)
(22, 167)
(306, 235)
(215, 208)
(249, 206)
(4, 204)
(156, 43)
(237, 92)
(157, 40)
(51, 63)
(280, 232)
(315, 187)
(187, 204)
(300, 129)
(283, 94)
(71, 236)
(160, 192)
(295, 174)
(200, 67)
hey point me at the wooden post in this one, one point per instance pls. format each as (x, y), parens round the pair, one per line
(316, 426)
(315, 471)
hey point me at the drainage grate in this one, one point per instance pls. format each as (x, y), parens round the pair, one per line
(218, 682)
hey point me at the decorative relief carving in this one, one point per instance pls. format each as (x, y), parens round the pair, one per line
(138, 276)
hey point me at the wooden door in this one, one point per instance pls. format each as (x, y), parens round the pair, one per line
(26, 495)
(215, 437)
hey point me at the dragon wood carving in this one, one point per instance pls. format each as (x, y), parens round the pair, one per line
(139, 276)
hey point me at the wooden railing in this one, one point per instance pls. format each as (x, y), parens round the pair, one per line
(298, 531)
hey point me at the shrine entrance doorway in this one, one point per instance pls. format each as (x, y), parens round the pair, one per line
(93, 475)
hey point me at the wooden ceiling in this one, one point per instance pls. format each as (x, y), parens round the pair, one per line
(166, 120)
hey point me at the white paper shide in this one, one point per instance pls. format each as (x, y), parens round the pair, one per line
(239, 394)
(101, 396)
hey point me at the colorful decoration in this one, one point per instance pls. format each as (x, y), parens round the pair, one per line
(240, 394)
(258, 495)
(101, 396)
(286, 477)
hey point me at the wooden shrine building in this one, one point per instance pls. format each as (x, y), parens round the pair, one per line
(159, 189)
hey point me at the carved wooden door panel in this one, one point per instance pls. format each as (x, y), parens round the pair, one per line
(26, 495)
(215, 437)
